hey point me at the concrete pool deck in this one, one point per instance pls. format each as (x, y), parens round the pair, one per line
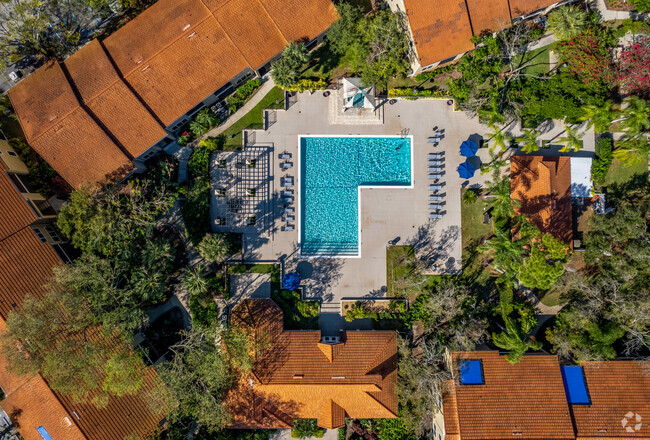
(399, 215)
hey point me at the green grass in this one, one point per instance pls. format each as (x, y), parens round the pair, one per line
(619, 173)
(252, 119)
(323, 62)
(257, 268)
(472, 222)
(551, 299)
(399, 261)
(538, 59)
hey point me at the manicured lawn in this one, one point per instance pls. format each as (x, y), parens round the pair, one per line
(472, 222)
(252, 119)
(399, 260)
(619, 173)
(538, 59)
(551, 299)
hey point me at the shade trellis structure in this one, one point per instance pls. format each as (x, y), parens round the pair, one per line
(355, 95)
(466, 170)
(468, 148)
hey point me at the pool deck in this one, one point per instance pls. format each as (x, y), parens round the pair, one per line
(387, 214)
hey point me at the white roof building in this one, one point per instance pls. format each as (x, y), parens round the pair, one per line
(581, 184)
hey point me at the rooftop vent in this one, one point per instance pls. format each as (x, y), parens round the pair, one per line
(191, 35)
(338, 377)
(575, 385)
(298, 376)
(471, 372)
(330, 340)
(187, 26)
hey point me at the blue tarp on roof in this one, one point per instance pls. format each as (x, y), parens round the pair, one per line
(471, 372)
(574, 384)
(43, 433)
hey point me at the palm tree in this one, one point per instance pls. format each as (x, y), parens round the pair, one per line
(283, 74)
(598, 116)
(498, 137)
(194, 280)
(572, 140)
(515, 339)
(206, 117)
(502, 204)
(506, 253)
(567, 22)
(296, 54)
(214, 247)
(635, 116)
(632, 151)
(529, 140)
(493, 166)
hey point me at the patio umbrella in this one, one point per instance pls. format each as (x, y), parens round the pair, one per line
(468, 148)
(466, 170)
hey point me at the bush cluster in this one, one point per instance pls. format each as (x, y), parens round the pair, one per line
(396, 310)
(242, 93)
(600, 166)
(417, 93)
(305, 428)
(307, 84)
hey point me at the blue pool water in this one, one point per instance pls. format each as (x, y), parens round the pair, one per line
(332, 169)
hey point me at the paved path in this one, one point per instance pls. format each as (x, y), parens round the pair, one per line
(285, 434)
(608, 14)
(183, 156)
(264, 89)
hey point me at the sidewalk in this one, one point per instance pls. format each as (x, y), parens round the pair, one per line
(264, 89)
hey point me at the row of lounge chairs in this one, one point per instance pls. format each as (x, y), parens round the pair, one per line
(436, 169)
(288, 212)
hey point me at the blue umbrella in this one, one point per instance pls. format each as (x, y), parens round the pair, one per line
(466, 170)
(291, 281)
(468, 148)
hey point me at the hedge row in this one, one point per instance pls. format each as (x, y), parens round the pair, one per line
(417, 93)
(430, 75)
(307, 84)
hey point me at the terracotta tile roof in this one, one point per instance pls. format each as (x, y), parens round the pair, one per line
(542, 186)
(15, 213)
(26, 267)
(297, 378)
(616, 389)
(186, 72)
(152, 31)
(440, 28)
(525, 400)
(301, 19)
(80, 151)
(523, 7)
(450, 413)
(9, 382)
(251, 29)
(34, 405)
(488, 15)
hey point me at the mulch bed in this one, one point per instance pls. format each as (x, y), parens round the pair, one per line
(618, 5)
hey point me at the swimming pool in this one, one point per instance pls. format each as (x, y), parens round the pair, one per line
(332, 168)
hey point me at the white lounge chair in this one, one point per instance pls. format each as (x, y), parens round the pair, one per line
(436, 162)
(435, 176)
(436, 155)
(284, 156)
(288, 210)
(286, 182)
(287, 228)
(435, 187)
(285, 165)
(288, 218)
(286, 193)
(435, 216)
(433, 140)
(435, 206)
(286, 200)
(436, 169)
(433, 198)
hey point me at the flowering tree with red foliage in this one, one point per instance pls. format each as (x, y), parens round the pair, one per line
(589, 57)
(634, 67)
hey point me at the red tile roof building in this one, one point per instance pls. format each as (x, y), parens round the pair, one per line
(529, 400)
(442, 30)
(301, 375)
(27, 263)
(542, 186)
(155, 69)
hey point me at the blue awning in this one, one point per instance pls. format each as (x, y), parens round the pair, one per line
(575, 386)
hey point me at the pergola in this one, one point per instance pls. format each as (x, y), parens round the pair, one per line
(355, 95)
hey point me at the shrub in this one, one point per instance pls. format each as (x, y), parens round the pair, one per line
(600, 166)
(214, 247)
(196, 211)
(204, 310)
(184, 138)
(469, 196)
(305, 428)
(641, 5)
(307, 84)
(242, 93)
(417, 93)
(308, 308)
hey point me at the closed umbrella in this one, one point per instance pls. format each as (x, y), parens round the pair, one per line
(468, 148)
(466, 170)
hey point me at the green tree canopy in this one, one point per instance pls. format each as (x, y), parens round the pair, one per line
(567, 22)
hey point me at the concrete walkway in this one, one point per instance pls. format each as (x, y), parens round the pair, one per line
(608, 14)
(264, 89)
(183, 156)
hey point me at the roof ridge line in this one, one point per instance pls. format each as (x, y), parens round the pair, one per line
(286, 41)
(214, 15)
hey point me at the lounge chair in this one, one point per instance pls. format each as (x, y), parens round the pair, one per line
(433, 140)
(433, 198)
(435, 206)
(286, 165)
(286, 200)
(286, 182)
(436, 169)
(436, 162)
(284, 156)
(436, 176)
(435, 187)
(288, 210)
(436, 155)
(435, 216)
(287, 228)
(288, 218)
(286, 193)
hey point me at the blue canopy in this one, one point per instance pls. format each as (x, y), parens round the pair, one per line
(468, 148)
(466, 170)
(291, 281)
